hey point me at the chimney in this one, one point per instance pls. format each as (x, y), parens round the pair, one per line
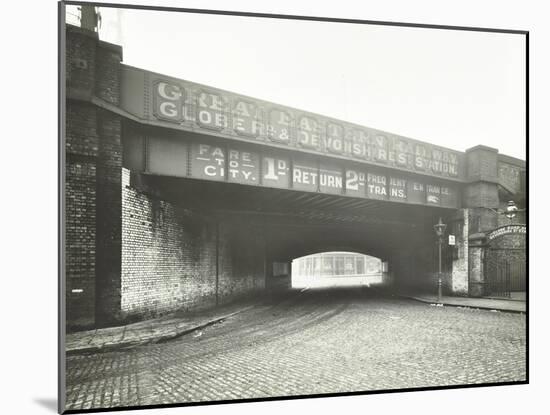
(89, 18)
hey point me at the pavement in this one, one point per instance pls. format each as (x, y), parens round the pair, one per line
(181, 323)
(150, 331)
(512, 305)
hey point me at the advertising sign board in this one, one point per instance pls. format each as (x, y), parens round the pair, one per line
(185, 105)
(259, 166)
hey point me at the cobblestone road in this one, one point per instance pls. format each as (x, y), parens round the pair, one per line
(322, 341)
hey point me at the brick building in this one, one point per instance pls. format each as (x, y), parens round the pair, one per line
(149, 229)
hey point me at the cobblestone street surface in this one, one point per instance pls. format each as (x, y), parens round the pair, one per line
(321, 341)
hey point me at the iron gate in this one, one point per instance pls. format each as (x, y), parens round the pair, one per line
(506, 271)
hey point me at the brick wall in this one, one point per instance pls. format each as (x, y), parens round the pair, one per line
(476, 270)
(109, 218)
(459, 273)
(80, 237)
(481, 194)
(482, 164)
(107, 86)
(170, 257)
(80, 59)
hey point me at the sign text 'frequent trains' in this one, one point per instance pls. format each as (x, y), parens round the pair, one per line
(271, 168)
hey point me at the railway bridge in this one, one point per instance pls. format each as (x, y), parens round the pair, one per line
(183, 196)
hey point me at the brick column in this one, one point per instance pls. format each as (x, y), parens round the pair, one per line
(81, 146)
(92, 179)
(479, 194)
(476, 265)
(109, 187)
(459, 273)
(109, 219)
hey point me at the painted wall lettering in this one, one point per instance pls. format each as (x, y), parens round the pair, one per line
(168, 101)
(334, 139)
(279, 126)
(190, 105)
(376, 186)
(276, 172)
(246, 119)
(331, 179)
(207, 162)
(305, 176)
(398, 189)
(308, 133)
(244, 164)
(243, 167)
(210, 111)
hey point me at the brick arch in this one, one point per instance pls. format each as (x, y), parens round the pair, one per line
(508, 241)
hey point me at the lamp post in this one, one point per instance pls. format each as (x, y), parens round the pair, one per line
(440, 232)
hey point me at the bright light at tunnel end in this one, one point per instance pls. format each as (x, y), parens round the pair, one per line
(338, 269)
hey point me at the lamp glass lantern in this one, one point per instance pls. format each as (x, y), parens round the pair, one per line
(511, 210)
(440, 228)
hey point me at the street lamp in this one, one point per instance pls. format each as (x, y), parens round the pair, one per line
(440, 232)
(510, 212)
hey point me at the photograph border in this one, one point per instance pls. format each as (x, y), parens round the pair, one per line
(61, 195)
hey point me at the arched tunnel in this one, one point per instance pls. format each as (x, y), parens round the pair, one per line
(289, 224)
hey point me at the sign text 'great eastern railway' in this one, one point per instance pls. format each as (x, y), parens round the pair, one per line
(259, 166)
(193, 107)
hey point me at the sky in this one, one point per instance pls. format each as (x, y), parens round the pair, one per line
(456, 89)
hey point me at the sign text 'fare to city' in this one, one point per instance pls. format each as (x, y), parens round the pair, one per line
(245, 164)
